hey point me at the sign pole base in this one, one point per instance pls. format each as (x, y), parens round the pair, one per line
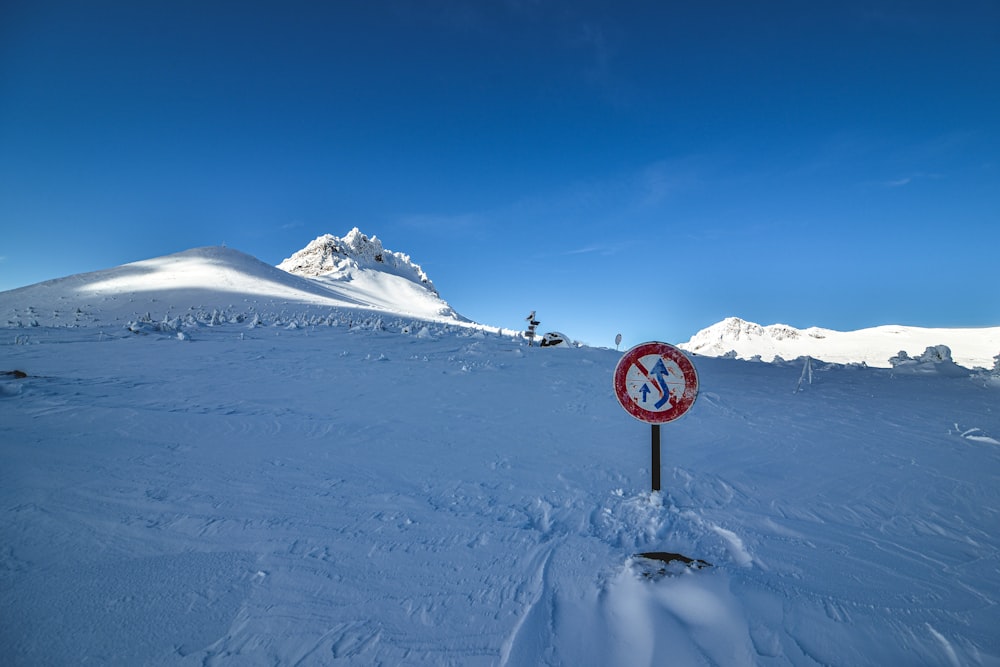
(655, 466)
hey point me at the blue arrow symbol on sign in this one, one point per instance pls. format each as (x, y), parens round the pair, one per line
(660, 370)
(644, 390)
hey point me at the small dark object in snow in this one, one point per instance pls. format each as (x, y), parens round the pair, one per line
(657, 564)
(16, 374)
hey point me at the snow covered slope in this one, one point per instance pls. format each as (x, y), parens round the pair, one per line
(328, 495)
(217, 283)
(970, 347)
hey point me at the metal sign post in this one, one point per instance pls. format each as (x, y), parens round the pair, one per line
(532, 325)
(655, 428)
(655, 383)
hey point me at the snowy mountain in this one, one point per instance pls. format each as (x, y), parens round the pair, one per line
(875, 346)
(355, 254)
(347, 280)
(199, 489)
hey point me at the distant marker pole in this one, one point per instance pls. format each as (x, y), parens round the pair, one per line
(532, 325)
(655, 383)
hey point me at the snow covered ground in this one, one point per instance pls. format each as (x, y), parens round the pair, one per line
(326, 485)
(335, 495)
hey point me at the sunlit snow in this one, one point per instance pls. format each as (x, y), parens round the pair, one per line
(971, 347)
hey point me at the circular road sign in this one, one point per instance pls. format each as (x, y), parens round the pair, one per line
(655, 382)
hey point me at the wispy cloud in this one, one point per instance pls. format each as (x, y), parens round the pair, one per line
(595, 248)
(597, 218)
(906, 180)
(586, 250)
(598, 248)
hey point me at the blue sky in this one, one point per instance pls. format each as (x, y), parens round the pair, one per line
(638, 167)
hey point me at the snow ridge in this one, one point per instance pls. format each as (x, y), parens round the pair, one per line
(339, 258)
(734, 337)
(734, 329)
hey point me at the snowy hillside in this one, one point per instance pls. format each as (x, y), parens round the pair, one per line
(225, 493)
(218, 284)
(969, 347)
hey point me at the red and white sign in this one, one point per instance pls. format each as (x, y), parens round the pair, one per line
(655, 382)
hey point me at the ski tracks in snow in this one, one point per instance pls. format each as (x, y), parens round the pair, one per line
(588, 603)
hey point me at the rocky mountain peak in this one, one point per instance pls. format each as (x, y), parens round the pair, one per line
(337, 257)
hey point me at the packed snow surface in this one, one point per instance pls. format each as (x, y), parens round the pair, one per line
(250, 471)
(971, 347)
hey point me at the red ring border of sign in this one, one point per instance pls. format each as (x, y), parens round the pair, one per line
(664, 350)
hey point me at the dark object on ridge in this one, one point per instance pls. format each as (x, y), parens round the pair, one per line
(16, 374)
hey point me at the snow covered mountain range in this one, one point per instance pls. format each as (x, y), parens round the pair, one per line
(737, 338)
(354, 280)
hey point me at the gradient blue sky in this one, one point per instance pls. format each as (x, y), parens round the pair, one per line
(638, 167)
